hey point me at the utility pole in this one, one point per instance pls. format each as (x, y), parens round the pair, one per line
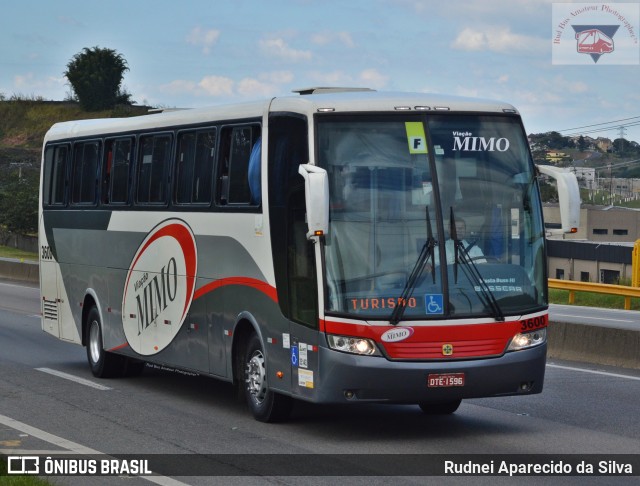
(610, 186)
(622, 133)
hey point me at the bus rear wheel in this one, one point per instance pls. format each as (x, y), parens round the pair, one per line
(445, 408)
(265, 404)
(102, 363)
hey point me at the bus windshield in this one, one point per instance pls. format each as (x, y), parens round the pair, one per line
(461, 187)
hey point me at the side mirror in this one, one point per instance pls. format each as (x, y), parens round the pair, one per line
(568, 196)
(316, 193)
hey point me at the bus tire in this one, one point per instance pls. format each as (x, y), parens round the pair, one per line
(445, 408)
(102, 363)
(265, 405)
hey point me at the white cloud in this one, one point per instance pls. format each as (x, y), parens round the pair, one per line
(251, 87)
(544, 94)
(30, 81)
(207, 86)
(368, 78)
(265, 84)
(216, 85)
(206, 39)
(279, 48)
(372, 78)
(179, 86)
(497, 39)
(277, 77)
(325, 38)
(332, 78)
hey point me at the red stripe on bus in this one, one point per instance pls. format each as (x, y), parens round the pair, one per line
(263, 287)
(122, 346)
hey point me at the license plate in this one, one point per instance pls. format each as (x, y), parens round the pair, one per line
(445, 380)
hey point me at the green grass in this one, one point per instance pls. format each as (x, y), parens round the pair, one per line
(18, 480)
(8, 252)
(591, 299)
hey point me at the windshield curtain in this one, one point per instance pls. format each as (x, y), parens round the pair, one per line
(398, 184)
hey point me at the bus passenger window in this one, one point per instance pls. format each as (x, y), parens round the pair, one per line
(107, 163)
(194, 167)
(55, 175)
(84, 173)
(117, 163)
(153, 164)
(239, 145)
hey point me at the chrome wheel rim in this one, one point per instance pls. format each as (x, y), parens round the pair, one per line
(256, 376)
(95, 346)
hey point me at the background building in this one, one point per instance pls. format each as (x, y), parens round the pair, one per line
(602, 249)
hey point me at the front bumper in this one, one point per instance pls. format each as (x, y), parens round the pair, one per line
(353, 378)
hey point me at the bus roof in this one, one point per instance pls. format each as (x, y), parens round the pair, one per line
(308, 102)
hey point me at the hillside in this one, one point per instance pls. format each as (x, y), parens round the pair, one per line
(23, 124)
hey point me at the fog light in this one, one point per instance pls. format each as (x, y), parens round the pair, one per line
(527, 386)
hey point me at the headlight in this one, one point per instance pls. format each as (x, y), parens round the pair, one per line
(528, 339)
(352, 345)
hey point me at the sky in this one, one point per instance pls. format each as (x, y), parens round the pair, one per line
(196, 53)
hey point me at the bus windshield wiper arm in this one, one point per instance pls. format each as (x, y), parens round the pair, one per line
(472, 272)
(426, 254)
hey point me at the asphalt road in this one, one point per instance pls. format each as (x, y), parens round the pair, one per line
(583, 410)
(594, 316)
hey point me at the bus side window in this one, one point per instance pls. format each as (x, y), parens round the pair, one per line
(116, 165)
(55, 175)
(153, 165)
(107, 164)
(194, 167)
(84, 172)
(236, 147)
(184, 167)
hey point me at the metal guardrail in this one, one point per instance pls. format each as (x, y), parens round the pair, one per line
(573, 287)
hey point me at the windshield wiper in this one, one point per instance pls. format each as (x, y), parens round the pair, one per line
(461, 255)
(426, 254)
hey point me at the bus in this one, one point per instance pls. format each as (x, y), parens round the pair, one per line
(308, 247)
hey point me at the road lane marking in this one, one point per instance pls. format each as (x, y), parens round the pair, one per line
(594, 372)
(75, 448)
(5, 284)
(77, 379)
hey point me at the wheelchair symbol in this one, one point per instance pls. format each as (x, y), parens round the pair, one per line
(434, 304)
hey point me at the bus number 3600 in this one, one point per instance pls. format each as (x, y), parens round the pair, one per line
(534, 323)
(46, 253)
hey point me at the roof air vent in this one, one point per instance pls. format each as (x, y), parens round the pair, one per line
(325, 89)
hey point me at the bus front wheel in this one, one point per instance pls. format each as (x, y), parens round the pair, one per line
(102, 363)
(265, 404)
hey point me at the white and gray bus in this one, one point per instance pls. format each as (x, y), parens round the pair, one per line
(335, 246)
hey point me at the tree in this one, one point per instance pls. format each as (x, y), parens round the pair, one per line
(582, 144)
(19, 202)
(95, 76)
